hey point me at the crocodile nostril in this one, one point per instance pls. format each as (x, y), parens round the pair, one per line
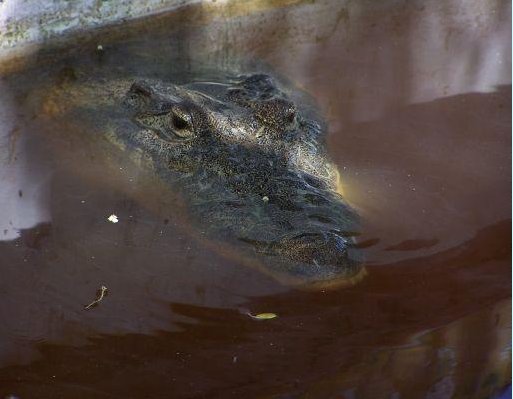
(141, 88)
(290, 115)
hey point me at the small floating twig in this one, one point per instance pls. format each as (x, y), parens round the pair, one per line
(100, 295)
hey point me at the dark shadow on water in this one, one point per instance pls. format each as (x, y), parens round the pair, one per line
(317, 343)
(448, 309)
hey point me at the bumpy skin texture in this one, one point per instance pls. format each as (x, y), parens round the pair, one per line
(253, 168)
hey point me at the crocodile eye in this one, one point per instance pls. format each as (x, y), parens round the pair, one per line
(180, 123)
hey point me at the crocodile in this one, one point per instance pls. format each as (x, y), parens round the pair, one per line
(248, 154)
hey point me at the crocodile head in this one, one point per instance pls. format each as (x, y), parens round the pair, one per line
(253, 167)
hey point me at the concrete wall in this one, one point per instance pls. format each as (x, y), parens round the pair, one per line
(24, 22)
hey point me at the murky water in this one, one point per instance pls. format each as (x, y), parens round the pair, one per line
(418, 100)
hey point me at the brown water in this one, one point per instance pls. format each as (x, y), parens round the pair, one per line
(418, 99)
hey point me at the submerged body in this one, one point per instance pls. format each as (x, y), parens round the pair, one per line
(250, 162)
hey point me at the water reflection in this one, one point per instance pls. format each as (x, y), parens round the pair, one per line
(440, 176)
(221, 353)
(24, 180)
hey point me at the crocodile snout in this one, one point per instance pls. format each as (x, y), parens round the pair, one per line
(318, 249)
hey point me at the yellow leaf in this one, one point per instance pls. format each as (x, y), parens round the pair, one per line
(263, 316)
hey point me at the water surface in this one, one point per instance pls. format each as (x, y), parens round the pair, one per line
(418, 100)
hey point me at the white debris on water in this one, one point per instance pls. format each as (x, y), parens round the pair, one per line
(113, 218)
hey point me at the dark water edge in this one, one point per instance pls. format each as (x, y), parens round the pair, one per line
(424, 156)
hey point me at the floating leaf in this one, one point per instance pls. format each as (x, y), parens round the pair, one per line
(263, 316)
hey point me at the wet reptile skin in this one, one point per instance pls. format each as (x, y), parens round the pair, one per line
(249, 160)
